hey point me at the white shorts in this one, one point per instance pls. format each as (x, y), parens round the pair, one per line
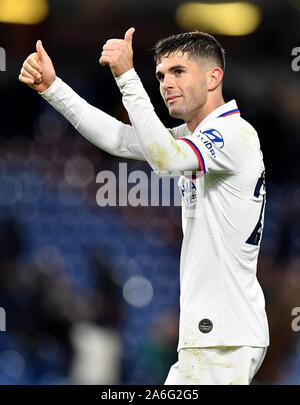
(216, 366)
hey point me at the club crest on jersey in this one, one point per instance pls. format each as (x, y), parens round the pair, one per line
(214, 136)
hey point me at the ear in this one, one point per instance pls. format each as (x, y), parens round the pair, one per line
(214, 78)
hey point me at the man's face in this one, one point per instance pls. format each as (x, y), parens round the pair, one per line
(183, 85)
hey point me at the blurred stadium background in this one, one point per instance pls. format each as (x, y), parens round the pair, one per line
(91, 293)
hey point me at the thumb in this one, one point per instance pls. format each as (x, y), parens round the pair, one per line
(40, 49)
(129, 34)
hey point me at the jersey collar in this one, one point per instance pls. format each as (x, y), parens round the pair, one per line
(223, 111)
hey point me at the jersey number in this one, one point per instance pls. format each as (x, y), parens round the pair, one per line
(255, 236)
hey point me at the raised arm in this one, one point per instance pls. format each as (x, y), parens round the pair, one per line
(165, 155)
(95, 125)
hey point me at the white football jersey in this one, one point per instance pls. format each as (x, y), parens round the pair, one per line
(221, 301)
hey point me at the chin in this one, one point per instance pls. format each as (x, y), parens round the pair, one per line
(176, 114)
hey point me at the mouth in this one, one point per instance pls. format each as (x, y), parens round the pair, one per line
(172, 99)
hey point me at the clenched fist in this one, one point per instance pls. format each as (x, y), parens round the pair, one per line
(37, 70)
(118, 54)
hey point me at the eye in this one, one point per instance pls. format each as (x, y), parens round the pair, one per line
(160, 77)
(179, 72)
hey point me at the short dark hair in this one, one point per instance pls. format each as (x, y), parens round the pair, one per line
(196, 43)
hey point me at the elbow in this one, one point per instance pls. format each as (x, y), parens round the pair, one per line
(167, 170)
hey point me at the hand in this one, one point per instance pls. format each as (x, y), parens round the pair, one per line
(118, 54)
(37, 70)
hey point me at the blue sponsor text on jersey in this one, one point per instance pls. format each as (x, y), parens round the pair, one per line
(211, 137)
(215, 137)
(188, 187)
(189, 192)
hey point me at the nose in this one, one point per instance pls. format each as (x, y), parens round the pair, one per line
(168, 83)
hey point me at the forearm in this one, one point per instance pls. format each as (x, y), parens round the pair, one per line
(160, 149)
(95, 125)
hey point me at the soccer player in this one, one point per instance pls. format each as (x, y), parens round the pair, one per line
(223, 332)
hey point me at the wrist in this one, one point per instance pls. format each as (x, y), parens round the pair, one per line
(51, 88)
(124, 77)
(117, 72)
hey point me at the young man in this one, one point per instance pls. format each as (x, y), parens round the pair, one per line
(223, 332)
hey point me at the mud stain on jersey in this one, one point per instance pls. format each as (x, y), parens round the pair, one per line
(225, 365)
(159, 156)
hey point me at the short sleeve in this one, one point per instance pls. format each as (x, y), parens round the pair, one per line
(221, 147)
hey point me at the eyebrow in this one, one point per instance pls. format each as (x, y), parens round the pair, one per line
(159, 74)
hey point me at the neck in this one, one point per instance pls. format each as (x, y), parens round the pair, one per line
(203, 112)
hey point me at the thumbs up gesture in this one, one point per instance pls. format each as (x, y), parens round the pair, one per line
(118, 54)
(37, 70)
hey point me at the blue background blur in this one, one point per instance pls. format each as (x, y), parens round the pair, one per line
(91, 293)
